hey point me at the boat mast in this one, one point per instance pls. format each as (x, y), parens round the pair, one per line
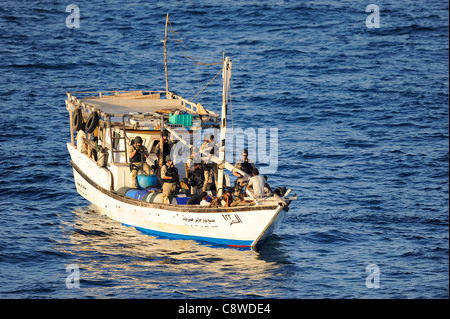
(165, 56)
(161, 140)
(226, 75)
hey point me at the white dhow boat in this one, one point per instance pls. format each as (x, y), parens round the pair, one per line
(102, 126)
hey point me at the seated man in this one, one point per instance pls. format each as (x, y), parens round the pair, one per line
(227, 198)
(204, 201)
(241, 201)
(256, 184)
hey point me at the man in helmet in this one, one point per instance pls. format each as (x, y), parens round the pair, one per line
(137, 153)
(169, 177)
(247, 167)
(165, 148)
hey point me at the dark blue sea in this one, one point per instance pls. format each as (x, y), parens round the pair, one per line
(363, 139)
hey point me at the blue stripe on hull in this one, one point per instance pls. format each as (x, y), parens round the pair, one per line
(211, 240)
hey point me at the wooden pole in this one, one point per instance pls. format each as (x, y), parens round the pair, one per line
(72, 139)
(165, 56)
(161, 142)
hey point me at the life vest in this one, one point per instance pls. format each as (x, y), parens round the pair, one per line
(207, 148)
(139, 157)
(247, 167)
(172, 172)
(196, 177)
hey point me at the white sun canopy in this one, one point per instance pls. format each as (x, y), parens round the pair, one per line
(127, 106)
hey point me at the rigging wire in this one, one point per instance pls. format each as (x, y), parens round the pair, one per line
(232, 126)
(189, 57)
(206, 85)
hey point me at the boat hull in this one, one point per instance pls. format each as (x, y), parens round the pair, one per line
(244, 226)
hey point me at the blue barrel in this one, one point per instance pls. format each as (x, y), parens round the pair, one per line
(145, 181)
(132, 192)
(141, 193)
(182, 200)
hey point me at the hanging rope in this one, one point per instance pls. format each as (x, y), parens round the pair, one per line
(187, 57)
(232, 126)
(206, 85)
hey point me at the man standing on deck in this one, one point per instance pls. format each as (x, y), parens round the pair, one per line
(162, 151)
(137, 153)
(166, 148)
(169, 176)
(196, 178)
(210, 168)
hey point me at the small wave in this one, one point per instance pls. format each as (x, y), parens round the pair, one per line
(92, 232)
(408, 29)
(329, 236)
(249, 42)
(45, 66)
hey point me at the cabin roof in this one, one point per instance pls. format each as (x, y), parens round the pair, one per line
(118, 103)
(125, 106)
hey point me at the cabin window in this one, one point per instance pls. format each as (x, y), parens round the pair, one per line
(116, 140)
(100, 136)
(154, 146)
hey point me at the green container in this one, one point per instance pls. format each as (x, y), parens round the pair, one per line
(183, 119)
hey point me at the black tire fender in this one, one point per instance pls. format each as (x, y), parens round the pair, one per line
(92, 122)
(77, 121)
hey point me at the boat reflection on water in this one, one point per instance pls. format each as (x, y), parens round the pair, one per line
(117, 261)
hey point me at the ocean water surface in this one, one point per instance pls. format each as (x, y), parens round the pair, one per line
(363, 139)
